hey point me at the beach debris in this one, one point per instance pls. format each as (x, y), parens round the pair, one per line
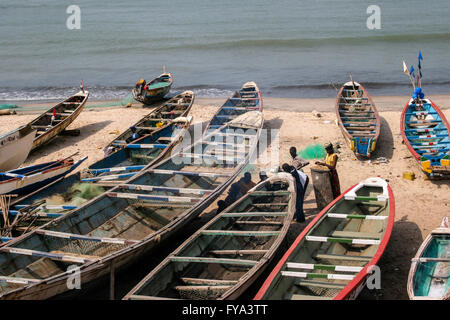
(114, 132)
(316, 114)
(379, 160)
(128, 105)
(326, 121)
(6, 112)
(409, 175)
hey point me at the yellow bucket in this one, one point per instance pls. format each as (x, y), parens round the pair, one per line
(409, 175)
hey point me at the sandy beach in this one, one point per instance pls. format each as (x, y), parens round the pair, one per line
(420, 204)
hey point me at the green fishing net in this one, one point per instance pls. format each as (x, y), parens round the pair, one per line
(314, 151)
(9, 106)
(85, 192)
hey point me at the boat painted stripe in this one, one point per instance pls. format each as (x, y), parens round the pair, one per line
(109, 177)
(311, 266)
(152, 197)
(164, 189)
(214, 260)
(48, 206)
(423, 121)
(18, 280)
(37, 214)
(253, 214)
(143, 146)
(82, 237)
(55, 256)
(5, 239)
(425, 130)
(328, 276)
(343, 240)
(208, 156)
(420, 113)
(355, 216)
(240, 233)
(113, 169)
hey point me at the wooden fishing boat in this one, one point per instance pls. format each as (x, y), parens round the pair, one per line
(67, 194)
(178, 106)
(425, 132)
(224, 257)
(27, 179)
(358, 118)
(122, 224)
(156, 89)
(332, 257)
(246, 99)
(429, 276)
(58, 118)
(15, 147)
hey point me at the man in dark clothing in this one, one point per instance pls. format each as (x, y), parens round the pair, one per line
(297, 161)
(301, 183)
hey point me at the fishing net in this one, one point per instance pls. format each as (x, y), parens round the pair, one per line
(9, 106)
(85, 192)
(82, 247)
(314, 151)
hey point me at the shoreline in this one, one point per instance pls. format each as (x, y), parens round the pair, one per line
(382, 103)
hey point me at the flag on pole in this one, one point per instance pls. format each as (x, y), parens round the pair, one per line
(405, 68)
(419, 65)
(82, 86)
(411, 71)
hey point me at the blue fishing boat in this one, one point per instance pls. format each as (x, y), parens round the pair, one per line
(358, 118)
(246, 99)
(425, 132)
(178, 106)
(155, 90)
(24, 180)
(131, 219)
(429, 276)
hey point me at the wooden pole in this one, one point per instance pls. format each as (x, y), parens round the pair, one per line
(111, 280)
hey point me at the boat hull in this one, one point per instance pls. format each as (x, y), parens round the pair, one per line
(15, 148)
(35, 181)
(429, 272)
(358, 119)
(426, 134)
(44, 138)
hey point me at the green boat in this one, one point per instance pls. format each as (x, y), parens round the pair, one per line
(429, 275)
(224, 257)
(155, 90)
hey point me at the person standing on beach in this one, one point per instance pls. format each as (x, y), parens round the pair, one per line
(331, 162)
(301, 183)
(297, 161)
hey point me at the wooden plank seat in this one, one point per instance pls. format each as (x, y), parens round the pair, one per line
(237, 252)
(210, 282)
(165, 139)
(59, 114)
(65, 257)
(332, 257)
(254, 214)
(320, 284)
(72, 236)
(214, 260)
(240, 233)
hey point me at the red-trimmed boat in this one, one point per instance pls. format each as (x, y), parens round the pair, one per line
(334, 255)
